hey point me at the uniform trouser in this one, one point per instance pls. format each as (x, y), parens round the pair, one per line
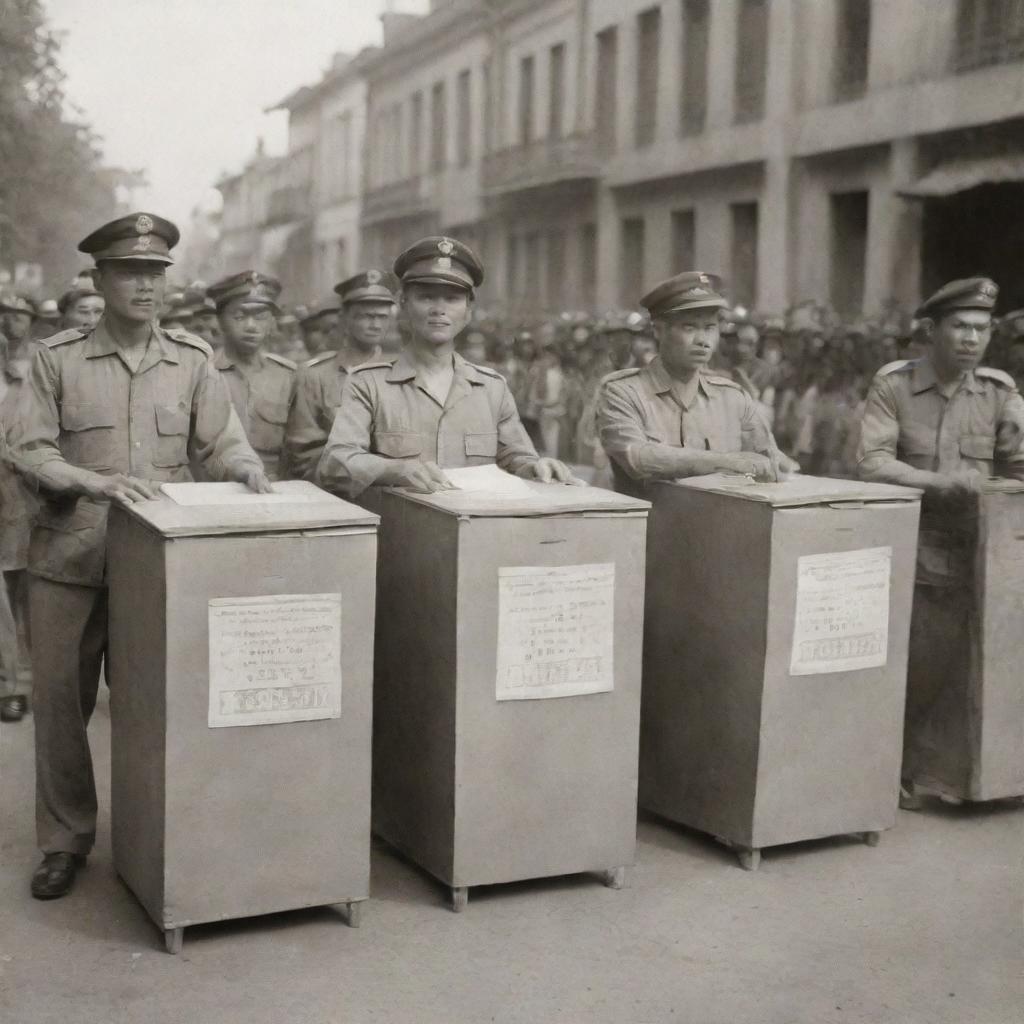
(8, 646)
(66, 670)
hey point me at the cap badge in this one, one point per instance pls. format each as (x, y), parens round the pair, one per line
(704, 279)
(144, 224)
(446, 247)
(988, 289)
(254, 278)
(373, 277)
(144, 242)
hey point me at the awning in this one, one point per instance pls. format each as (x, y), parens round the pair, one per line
(959, 175)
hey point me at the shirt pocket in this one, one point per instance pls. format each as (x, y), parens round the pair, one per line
(482, 445)
(171, 448)
(88, 435)
(266, 424)
(396, 444)
(977, 446)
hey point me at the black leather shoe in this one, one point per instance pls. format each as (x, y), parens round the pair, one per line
(55, 876)
(12, 709)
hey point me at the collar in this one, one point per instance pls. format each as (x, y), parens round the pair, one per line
(101, 343)
(924, 377)
(402, 370)
(664, 383)
(223, 360)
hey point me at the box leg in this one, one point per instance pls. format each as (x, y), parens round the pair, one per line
(871, 838)
(460, 897)
(750, 859)
(614, 878)
(354, 913)
(173, 939)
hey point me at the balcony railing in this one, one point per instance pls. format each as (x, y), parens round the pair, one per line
(406, 198)
(540, 163)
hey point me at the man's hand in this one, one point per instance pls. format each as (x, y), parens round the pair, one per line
(547, 471)
(423, 477)
(121, 488)
(783, 465)
(753, 464)
(256, 480)
(959, 486)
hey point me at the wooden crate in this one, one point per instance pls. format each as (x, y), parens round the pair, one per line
(763, 720)
(481, 790)
(213, 820)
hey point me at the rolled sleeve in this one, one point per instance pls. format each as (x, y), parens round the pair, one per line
(879, 430)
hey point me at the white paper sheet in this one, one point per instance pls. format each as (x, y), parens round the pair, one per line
(842, 611)
(555, 631)
(285, 492)
(274, 659)
(489, 480)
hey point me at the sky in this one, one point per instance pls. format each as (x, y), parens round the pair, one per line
(178, 88)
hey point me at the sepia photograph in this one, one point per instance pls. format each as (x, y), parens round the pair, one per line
(511, 512)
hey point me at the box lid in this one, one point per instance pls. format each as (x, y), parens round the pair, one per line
(545, 500)
(799, 490)
(187, 510)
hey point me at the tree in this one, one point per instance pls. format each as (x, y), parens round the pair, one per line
(53, 186)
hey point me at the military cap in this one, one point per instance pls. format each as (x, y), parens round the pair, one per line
(326, 308)
(18, 304)
(690, 290)
(369, 286)
(69, 298)
(48, 310)
(139, 236)
(969, 293)
(439, 260)
(1013, 324)
(247, 286)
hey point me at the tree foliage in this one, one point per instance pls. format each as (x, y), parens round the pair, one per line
(53, 186)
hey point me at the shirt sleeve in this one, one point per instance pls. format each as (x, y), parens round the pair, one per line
(879, 430)
(1010, 436)
(515, 449)
(755, 433)
(347, 465)
(305, 435)
(217, 438)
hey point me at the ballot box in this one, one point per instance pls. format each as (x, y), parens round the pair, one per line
(965, 700)
(240, 668)
(507, 687)
(775, 656)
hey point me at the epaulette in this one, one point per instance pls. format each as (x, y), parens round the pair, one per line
(895, 366)
(280, 360)
(63, 337)
(181, 335)
(488, 371)
(373, 366)
(722, 382)
(619, 375)
(323, 357)
(999, 376)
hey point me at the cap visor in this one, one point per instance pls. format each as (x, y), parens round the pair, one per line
(136, 258)
(455, 282)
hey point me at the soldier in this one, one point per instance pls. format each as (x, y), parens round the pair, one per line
(672, 418)
(103, 417)
(943, 423)
(80, 307)
(204, 322)
(402, 420)
(319, 328)
(261, 383)
(17, 316)
(367, 308)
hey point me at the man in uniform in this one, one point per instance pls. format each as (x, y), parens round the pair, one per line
(204, 316)
(103, 417)
(319, 327)
(261, 383)
(403, 420)
(672, 418)
(17, 316)
(367, 308)
(945, 424)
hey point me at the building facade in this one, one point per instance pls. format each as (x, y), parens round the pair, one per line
(851, 151)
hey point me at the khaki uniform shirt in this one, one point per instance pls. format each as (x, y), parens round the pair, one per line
(17, 504)
(318, 390)
(387, 414)
(82, 404)
(976, 423)
(644, 416)
(261, 393)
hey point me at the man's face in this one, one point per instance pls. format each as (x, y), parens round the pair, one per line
(437, 312)
(206, 326)
(959, 339)
(133, 289)
(687, 340)
(85, 313)
(367, 323)
(745, 344)
(17, 325)
(246, 326)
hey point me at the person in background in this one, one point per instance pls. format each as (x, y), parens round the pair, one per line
(366, 313)
(80, 307)
(47, 320)
(261, 383)
(319, 328)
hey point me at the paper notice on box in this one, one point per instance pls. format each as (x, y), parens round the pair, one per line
(842, 611)
(274, 659)
(555, 631)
